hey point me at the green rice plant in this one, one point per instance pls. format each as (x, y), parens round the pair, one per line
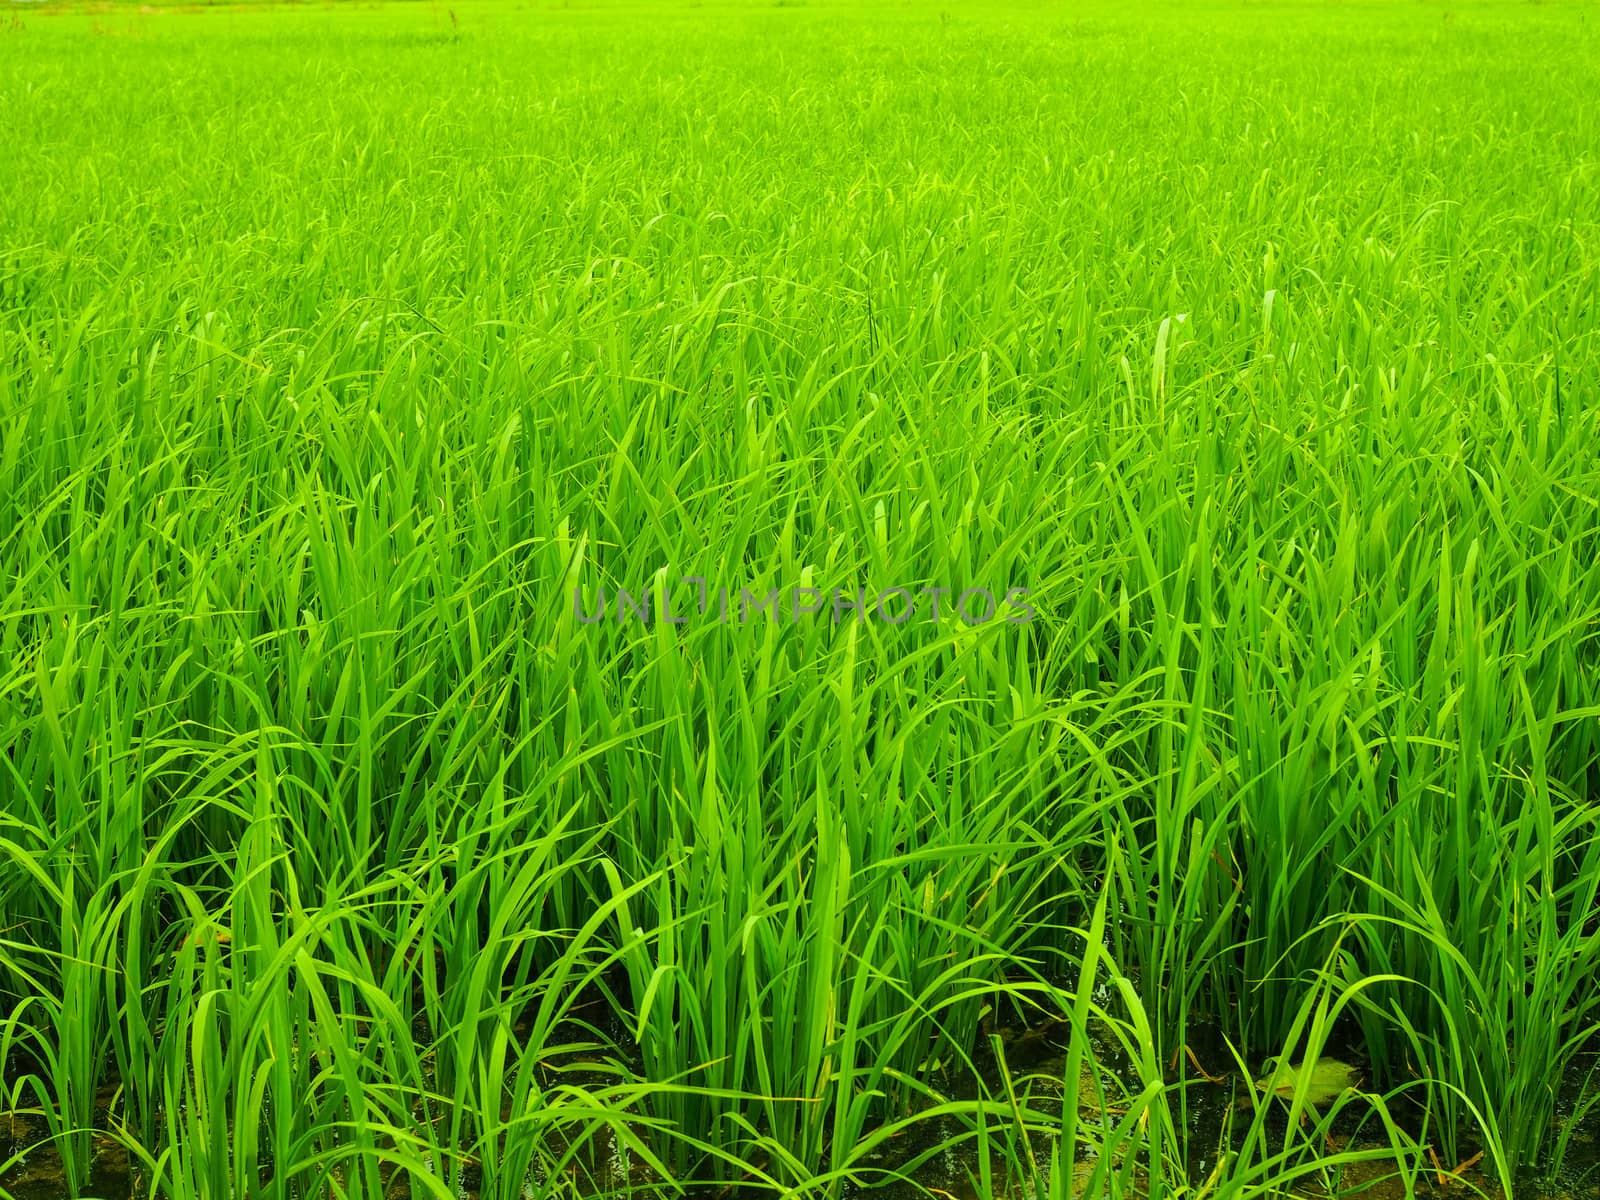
(59, 1027)
(1089, 1154)
(1315, 1093)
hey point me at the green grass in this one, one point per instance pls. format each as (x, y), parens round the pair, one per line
(340, 344)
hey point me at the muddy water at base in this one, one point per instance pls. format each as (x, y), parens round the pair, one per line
(951, 1165)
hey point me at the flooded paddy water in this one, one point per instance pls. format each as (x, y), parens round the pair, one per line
(941, 1154)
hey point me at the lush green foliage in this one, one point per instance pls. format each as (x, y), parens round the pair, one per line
(338, 346)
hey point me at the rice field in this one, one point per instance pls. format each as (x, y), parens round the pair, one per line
(807, 600)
